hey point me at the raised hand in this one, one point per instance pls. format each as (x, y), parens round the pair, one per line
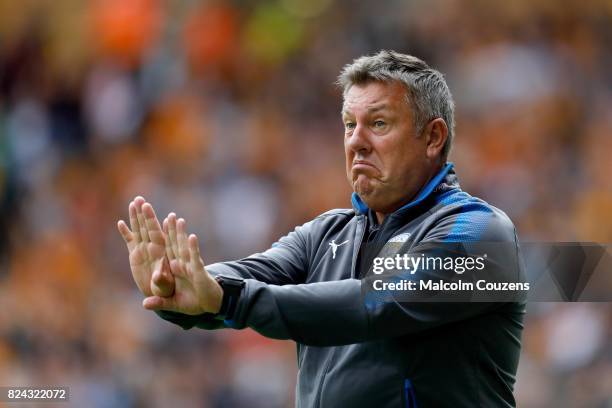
(196, 291)
(146, 243)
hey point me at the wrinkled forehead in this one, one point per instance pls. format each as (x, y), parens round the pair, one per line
(374, 96)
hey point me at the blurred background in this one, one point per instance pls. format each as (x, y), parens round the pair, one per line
(226, 112)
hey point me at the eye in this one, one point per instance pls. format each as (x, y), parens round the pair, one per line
(349, 125)
(379, 123)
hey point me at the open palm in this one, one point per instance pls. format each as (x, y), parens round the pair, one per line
(146, 245)
(196, 291)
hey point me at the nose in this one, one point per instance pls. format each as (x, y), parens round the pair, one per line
(359, 140)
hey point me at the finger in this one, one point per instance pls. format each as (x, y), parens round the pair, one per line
(138, 202)
(125, 232)
(168, 245)
(159, 303)
(162, 282)
(178, 269)
(162, 289)
(154, 230)
(172, 233)
(194, 252)
(134, 222)
(181, 235)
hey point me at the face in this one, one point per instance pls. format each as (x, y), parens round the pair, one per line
(386, 161)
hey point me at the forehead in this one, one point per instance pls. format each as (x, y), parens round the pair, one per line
(375, 96)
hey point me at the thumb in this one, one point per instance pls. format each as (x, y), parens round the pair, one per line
(162, 281)
(159, 303)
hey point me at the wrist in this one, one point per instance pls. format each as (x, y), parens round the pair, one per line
(231, 291)
(216, 298)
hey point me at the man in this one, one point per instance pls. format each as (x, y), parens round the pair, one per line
(398, 120)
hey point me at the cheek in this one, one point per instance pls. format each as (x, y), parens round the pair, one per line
(390, 158)
(399, 162)
(348, 155)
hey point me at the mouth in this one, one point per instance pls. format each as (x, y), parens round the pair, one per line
(363, 165)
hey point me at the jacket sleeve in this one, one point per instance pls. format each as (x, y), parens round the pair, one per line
(335, 313)
(286, 262)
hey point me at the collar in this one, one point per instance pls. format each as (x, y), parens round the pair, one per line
(446, 174)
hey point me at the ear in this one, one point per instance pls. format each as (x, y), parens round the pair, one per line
(436, 133)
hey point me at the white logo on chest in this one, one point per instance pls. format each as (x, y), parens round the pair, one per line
(335, 246)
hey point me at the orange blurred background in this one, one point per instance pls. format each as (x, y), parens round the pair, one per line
(226, 112)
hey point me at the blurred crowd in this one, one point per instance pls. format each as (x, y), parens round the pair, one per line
(226, 113)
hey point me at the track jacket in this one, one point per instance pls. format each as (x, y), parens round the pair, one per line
(356, 353)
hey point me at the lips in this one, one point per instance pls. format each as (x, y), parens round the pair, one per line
(363, 165)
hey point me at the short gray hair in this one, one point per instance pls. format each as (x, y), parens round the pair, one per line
(427, 91)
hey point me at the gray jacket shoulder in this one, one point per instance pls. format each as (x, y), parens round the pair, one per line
(469, 218)
(327, 220)
(346, 212)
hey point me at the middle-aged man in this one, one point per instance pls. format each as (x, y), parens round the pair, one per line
(398, 129)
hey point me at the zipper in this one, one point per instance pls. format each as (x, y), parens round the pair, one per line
(375, 237)
(409, 397)
(357, 246)
(356, 249)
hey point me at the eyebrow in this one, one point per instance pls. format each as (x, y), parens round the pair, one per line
(372, 109)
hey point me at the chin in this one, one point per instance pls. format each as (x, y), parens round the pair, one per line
(364, 189)
(375, 199)
(364, 186)
(369, 195)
